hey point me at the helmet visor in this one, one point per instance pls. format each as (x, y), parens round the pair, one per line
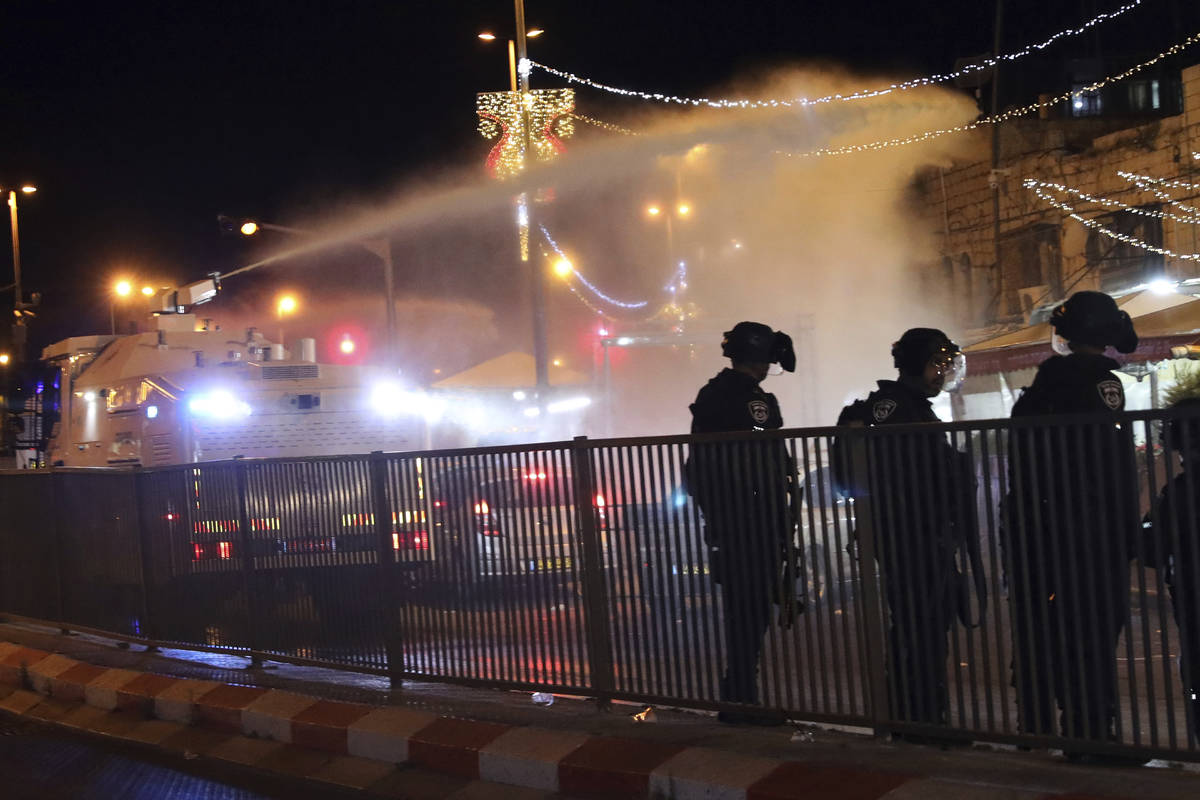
(952, 366)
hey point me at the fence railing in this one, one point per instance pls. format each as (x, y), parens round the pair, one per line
(989, 580)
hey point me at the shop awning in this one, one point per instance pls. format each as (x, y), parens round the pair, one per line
(1162, 322)
(514, 370)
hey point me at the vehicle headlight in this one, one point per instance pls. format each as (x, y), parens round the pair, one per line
(391, 400)
(219, 404)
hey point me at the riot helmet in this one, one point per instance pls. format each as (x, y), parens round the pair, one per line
(757, 343)
(918, 348)
(1092, 318)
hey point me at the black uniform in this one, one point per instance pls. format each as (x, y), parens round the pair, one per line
(1175, 547)
(742, 489)
(1071, 514)
(923, 510)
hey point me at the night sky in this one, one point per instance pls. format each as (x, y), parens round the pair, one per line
(140, 122)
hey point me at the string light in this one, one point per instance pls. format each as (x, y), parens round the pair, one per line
(608, 126)
(1012, 113)
(502, 114)
(1176, 184)
(1092, 224)
(1107, 202)
(861, 94)
(1147, 183)
(569, 269)
(678, 279)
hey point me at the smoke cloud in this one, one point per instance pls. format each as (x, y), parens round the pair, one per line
(830, 249)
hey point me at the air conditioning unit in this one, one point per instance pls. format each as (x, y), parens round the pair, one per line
(1032, 297)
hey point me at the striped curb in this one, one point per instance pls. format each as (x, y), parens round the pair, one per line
(356, 745)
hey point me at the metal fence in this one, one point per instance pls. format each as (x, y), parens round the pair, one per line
(990, 580)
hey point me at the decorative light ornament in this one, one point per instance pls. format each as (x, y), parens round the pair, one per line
(502, 114)
(861, 94)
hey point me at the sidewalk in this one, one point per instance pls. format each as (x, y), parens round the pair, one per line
(351, 730)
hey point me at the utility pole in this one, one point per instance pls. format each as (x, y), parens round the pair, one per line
(995, 174)
(18, 328)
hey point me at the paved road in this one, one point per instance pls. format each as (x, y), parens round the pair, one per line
(38, 762)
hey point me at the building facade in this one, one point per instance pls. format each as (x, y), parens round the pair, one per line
(1009, 253)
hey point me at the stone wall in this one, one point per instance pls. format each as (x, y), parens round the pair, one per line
(1041, 246)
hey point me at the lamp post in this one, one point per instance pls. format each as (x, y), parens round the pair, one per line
(286, 305)
(518, 71)
(121, 288)
(381, 248)
(18, 297)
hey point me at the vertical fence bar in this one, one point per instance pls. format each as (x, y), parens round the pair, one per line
(872, 616)
(244, 544)
(595, 592)
(56, 495)
(149, 628)
(387, 568)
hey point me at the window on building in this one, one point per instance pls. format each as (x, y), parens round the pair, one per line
(1085, 102)
(1120, 264)
(1145, 96)
(1030, 267)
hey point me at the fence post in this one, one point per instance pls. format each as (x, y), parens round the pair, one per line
(239, 471)
(381, 512)
(145, 562)
(595, 590)
(872, 608)
(60, 609)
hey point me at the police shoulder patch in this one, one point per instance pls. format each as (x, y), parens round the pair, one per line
(760, 412)
(1112, 394)
(883, 409)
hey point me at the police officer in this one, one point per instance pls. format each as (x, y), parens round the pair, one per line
(1174, 546)
(1069, 523)
(743, 490)
(923, 512)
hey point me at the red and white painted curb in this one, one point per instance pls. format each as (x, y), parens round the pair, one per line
(575, 764)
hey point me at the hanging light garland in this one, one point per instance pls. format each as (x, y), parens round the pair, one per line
(1107, 202)
(1040, 189)
(591, 286)
(1147, 183)
(996, 119)
(608, 126)
(861, 94)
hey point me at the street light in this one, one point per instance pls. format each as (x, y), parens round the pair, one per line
(286, 305)
(121, 289)
(518, 55)
(4, 359)
(532, 33)
(380, 248)
(19, 305)
(563, 267)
